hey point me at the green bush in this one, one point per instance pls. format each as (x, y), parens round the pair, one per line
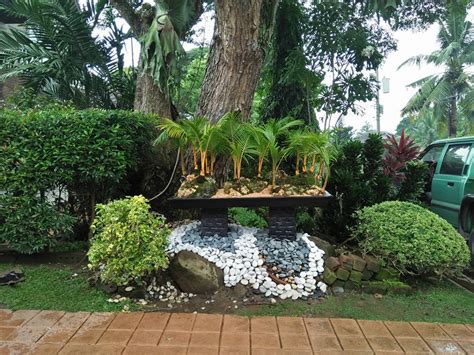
(128, 241)
(29, 225)
(71, 160)
(248, 217)
(411, 238)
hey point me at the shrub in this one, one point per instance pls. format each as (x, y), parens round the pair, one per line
(248, 217)
(411, 238)
(29, 225)
(128, 241)
(73, 159)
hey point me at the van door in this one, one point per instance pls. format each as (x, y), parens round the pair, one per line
(447, 189)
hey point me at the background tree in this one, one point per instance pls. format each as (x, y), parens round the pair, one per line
(290, 83)
(159, 29)
(241, 36)
(451, 92)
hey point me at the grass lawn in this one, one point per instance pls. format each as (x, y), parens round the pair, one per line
(52, 287)
(443, 302)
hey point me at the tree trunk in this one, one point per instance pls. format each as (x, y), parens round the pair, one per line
(452, 123)
(241, 35)
(150, 99)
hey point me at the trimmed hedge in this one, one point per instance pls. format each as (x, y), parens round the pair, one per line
(411, 238)
(68, 160)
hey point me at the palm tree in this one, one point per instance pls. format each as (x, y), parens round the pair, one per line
(56, 53)
(176, 130)
(451, 91)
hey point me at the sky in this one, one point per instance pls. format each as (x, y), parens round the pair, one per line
(409, 43)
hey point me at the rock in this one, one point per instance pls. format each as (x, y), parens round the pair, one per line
(367, 275)
(328, 248)
(356, 276)
(11, 277)
(342, 274)
(329, 277)
(387, 273)
(239, 291)
(351, 285)
(192, 273)
(358, 263)
(346, 261)
(338, 290)
(372, 264)
(332, 263)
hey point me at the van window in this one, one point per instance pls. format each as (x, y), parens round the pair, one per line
(432, 155)
(454, 159)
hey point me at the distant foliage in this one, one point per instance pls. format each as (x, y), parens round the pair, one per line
(128, 241)
(411, 238)
(248, 217)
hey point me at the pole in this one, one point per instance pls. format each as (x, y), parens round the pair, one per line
(377, 102)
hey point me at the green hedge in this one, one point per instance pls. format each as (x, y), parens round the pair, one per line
(67, 159)
(411, 238)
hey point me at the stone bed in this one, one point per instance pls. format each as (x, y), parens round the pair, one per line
(272, 266)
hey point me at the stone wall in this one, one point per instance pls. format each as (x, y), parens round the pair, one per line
(7, 88)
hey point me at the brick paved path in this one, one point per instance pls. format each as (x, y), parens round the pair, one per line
(49, 332)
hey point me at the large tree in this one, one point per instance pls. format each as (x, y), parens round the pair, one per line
(159, 29)
(242, 33)
(450, 92)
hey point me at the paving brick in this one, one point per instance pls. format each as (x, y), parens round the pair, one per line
(384, 344)
(72, 320)
(99, 320)
(468, 346)
(346, 327)
(172, 350)
(5, 314)
(295, 341)
(430, 330)
(470, 326)
(235, 341)
(154, 321)
(205, 340)
(202, 351)
(57, 335)
(402, 329)
(318, 326)
(174, 339)
(235, 324)
(413, 345)
(265, 341)
(45, 319)
(105, 349)
(354, 343)
(86, 336)
(14, 348)
(263, 325)
(145, 337)
(27, 335)
(45, 349)
(208, 323)
(324, 342)
(142, 350)
(458, 331)
(126, 321)
(115, 336)
(17, 318)
(229, 351)
(291, 325)
(445, 346)
(6, 332)
(267, 351)
(182, 322)
(373, 328)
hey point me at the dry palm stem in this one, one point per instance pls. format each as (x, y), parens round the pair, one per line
(297, 169)
(183, 164)
(313, 163)
(213, 162)
(305, 160)
(195, 159)
(260, 166)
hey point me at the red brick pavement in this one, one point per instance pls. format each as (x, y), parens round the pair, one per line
(51, 332)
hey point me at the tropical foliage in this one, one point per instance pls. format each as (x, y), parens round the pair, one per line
(275, 141)
(449, 93)
(56, 54)
(398, 154)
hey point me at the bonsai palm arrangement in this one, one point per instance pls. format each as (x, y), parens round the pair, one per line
(230, 139)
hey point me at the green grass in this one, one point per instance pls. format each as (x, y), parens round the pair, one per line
(443, 302)
(51, 287)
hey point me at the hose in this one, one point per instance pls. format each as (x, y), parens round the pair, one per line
(171, 177)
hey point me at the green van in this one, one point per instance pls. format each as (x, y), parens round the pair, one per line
(450, 191)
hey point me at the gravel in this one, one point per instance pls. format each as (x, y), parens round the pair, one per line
(273, 267)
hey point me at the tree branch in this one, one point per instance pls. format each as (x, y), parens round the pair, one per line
(126, 11)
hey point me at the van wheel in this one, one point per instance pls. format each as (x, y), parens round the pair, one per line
(470, 243)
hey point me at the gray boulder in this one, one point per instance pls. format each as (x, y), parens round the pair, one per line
(192, 273)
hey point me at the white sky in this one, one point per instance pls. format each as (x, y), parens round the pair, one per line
(410, 43)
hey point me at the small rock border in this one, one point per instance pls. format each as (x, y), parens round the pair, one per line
(246, 256)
